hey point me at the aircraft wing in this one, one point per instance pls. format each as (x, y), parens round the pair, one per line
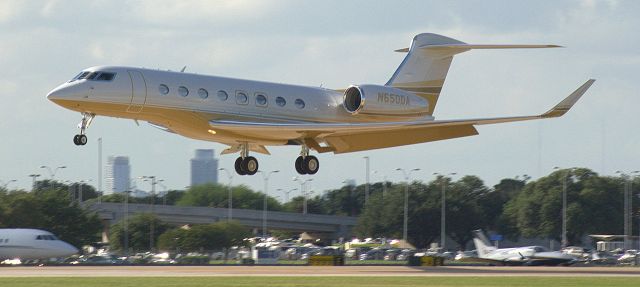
(350, 137)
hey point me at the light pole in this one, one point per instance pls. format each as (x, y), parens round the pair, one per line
(366, 186)
(153, 202)
(230, 194)
(443, 213)
(52, 171)
(286, 193)
(302, 191)
(265, 177)
(5, 184)
(126, 222)
(564, 242)
(384, 183)
(628, 206)
(33, 181)
(99, 170)
(164, 191)
(80, 184)
(405, 222)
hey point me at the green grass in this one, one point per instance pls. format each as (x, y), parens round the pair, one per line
(327, 281)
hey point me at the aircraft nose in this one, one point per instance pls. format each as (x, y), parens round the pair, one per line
(69, 250)
(56, 94)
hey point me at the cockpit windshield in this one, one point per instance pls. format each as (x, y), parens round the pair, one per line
(46, 237)
(94, 76)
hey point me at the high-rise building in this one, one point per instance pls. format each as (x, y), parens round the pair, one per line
(204, 167)
(118, 174)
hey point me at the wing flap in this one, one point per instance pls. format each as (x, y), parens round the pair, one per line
(348, 137)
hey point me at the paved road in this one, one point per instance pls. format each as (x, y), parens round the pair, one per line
(159, 271)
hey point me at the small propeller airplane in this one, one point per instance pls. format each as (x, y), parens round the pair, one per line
(250, 115)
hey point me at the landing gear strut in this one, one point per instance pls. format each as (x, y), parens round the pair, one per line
(245, 164)
(305, 163)
(81, 139)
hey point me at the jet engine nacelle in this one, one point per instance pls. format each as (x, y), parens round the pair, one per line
(382, 100)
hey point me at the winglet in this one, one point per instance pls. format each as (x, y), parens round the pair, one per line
(563, 107)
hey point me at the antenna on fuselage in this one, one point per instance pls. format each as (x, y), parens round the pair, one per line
(183, 68)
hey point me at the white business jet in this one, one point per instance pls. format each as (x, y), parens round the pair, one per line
(250, 115)
(527, 255)
(27, 244)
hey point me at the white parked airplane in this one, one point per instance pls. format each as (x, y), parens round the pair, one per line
(27, 244)
(528, 255)
(250, 115)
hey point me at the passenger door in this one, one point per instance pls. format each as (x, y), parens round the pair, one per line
(138, 92)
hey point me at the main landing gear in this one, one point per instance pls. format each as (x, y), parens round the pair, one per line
(81, 139)
(245, 164)
(248, 165)
(305, 163)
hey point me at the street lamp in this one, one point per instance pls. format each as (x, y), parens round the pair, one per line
(384, 183)
(126, 222)
(564, 242)
(304, 196)
(443, 213)
(52, 171)
(405, 223)
(230, 196)
(265, 177)
(164, 191)
(33, 180)
(80, 184)
(286, 193)
(5, 184)
(153, 180)
(628, 206)
(366, 186)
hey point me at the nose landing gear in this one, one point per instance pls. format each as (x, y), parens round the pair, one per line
(81, 139)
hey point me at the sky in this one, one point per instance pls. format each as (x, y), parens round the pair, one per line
(334, 44)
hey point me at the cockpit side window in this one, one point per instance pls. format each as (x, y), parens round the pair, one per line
(104, 76)
(91, 76)
(80, 76)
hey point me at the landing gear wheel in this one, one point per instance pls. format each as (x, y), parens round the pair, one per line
(299, 165)
(311, 164)
(250, 165)
(238, 166)
(80, 140)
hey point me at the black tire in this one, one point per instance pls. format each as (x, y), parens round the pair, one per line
(311, 164)
(238, 166)
(82, 139)
(299, 165)
(250, 165)
(75, 140)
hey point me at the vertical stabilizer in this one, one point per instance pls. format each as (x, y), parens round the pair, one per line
(483, 246)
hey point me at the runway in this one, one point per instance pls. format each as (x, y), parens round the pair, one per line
(201, 271)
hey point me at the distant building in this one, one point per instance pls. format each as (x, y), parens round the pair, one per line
(118, 174)
(204, 167)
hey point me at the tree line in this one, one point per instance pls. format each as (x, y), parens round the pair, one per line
(515, 207)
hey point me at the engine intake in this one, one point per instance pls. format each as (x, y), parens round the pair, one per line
(383, 100)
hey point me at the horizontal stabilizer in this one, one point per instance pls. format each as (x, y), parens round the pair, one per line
(472, 46)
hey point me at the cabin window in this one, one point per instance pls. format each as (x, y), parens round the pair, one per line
(163, 89)
(202, 93)
(280, 101)
(183, 91)
(222, 95)
(299, 104)
(261, 100)
(241, 98)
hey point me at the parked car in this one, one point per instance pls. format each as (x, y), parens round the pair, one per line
(629, 257)
(405, 254)
(374, 254)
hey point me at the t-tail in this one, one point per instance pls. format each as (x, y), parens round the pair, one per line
(483, 246)
(428, 59)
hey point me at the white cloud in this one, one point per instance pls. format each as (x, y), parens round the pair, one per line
(9, 9)
(192, 12)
